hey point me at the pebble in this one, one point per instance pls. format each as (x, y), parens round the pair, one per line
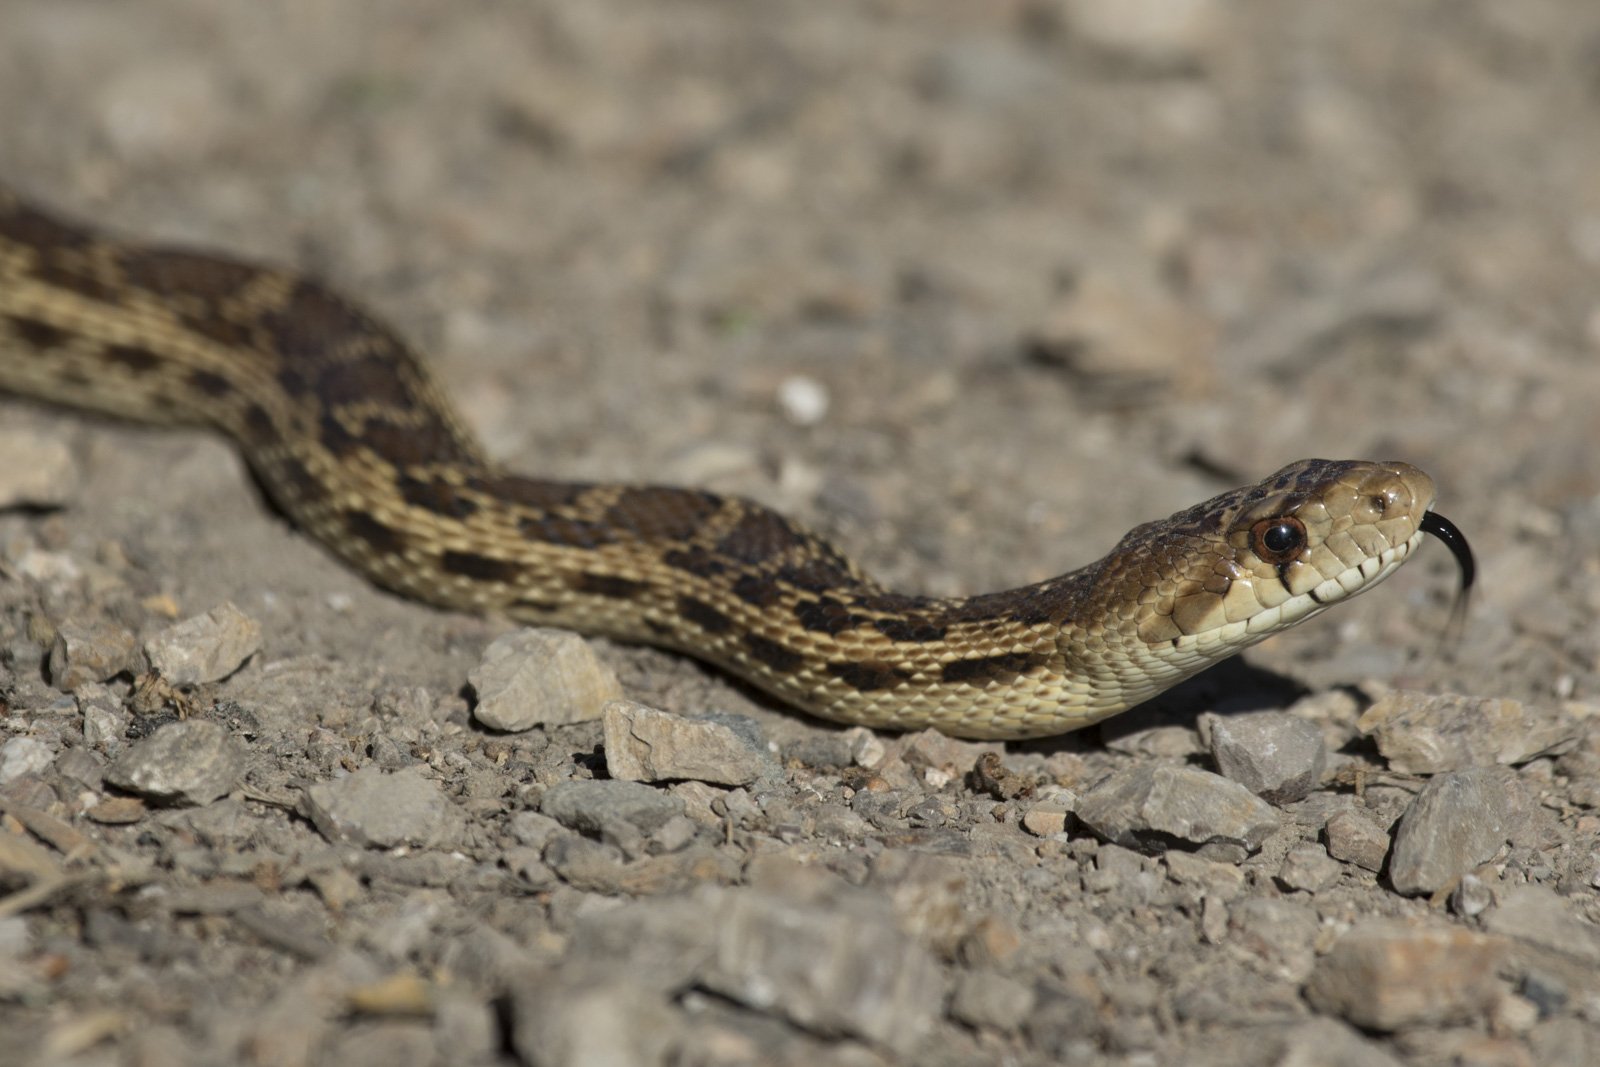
(194, 761)
(1330, 1043)
(1557, 949)
(1387, 974)
(38, 472)
(603, 807)
(1157, 33)
(88, 652)
(23, 755)
(374, 808)
(204, 648)
(600, 1019)
(1151, 805)
(990, 999)
(1280, 758)
(643, 744)
(803, 400)
(1046, 817)
(1429, 733)
(1354, 837)
(538, 677)
(1459, 820)
(1309, 868)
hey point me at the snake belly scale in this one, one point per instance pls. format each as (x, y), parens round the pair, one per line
(346, 429)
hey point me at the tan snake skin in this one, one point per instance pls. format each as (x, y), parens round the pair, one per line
(352, 439)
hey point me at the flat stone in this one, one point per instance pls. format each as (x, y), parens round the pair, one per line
(1330, 1043)
(1161, 34)
(539, 677)
(1278, 757)
(189, 762)
(836, 968)
(88, 652)
(1046, 817)
(380, 809)
(1428, 733)
(1551, 944)
(38, 472)
(990, 999)
(1309, 868)
(1459, 820)
(204, 648)
(1388, 974)
(602, 807)
(1153, 806)
(1355, 838)
(596, 1019)
(643, 744)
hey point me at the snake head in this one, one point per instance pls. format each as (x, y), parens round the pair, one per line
(1243, 565)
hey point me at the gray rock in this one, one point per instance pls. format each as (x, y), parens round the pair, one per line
(205, 648)
(991, 999)
(1308, 867)
(540, 677)
(839, 967)
(38, 471)
(643, 744)
(1427, 733)
(600, 807)
(1549, 941)
(1158, 34)
(1330, 1043)
(1388, 974)
(1278, 757)
(379, 809)
(1458, 821)
(1152, 806)
(1354, 837)
(23, 755)
(566, 1018)
(87, 652)
(190, 762)
(1046, 817)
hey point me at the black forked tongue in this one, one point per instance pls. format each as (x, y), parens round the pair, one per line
(1446, 531)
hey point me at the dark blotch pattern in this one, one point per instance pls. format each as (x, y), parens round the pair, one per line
(913, 629)
(696, 561)
(816, 575)
(772, 654)
(869, 677)
(139, 360)
(758, 536)
(210, 383)
(36, 333)
(435, 495)
(704, 615)
(1000, 670)
(481, 568)
(756, 590)
(573, 533)
(825, 616)
(384, 540)
(529, 491)
(660, 513)
(609, 585)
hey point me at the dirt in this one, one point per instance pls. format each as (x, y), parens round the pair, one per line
(1055, 270)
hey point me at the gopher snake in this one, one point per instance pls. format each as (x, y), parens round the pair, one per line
(347, 431)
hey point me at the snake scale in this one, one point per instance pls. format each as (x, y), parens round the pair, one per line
(345, 428)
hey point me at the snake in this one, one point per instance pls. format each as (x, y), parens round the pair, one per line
(346, 429)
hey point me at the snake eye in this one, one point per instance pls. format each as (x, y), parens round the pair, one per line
(1278, 540)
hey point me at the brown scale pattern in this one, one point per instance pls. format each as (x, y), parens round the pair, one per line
(344, 425)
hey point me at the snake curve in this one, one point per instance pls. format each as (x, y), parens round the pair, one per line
(345, 428)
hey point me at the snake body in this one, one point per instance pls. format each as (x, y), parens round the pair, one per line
(347, 431)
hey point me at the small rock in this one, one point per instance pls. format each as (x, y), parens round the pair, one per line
(803, 400)
(1278, 757)
(1330, 1043)
(1459, 820)
(205, 648)
(588, 1020)
(1046, 817)
(1162, 34)
(1386, 975)
(1308, 867)
(1152, 805)
(189, 762)
(105, 720)
(535, 676)
(374, 808)
(1355, 838)
(86, 652)
(599, 807)
(986, 998)
(1427, 733)
(841, 967)
(1223, 881)
(23, 755)
(1560, 950)
(38, 472)
(643, 744)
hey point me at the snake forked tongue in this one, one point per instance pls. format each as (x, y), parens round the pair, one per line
(1447, 531)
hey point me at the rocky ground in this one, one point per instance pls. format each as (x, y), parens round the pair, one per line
(974, 287)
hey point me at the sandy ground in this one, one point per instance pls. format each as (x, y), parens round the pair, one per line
(1056, 270)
